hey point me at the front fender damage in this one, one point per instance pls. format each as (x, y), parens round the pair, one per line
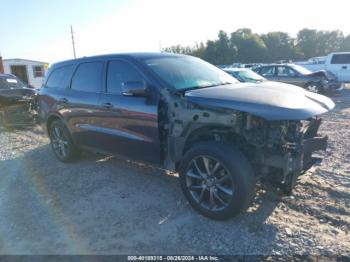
(179, 118)
(278, 150)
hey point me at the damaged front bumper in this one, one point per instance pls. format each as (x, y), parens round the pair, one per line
(298, 157)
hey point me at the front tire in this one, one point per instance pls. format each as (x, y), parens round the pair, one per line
(217, 180)
(62, 143)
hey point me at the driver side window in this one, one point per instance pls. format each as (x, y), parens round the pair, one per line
(119, 72)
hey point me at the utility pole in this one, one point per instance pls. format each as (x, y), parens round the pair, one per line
(71, 31)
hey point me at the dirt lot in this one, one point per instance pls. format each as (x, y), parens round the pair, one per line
(103, 205)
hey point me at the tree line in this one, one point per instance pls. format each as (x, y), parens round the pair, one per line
(245, 46)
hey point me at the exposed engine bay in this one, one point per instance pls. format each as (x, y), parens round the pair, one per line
(279, 150)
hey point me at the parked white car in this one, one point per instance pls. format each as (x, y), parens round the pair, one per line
(338, 63)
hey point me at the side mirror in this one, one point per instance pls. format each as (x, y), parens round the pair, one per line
(135, 88)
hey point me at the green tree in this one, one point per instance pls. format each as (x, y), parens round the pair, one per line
(329, 41)
(219, 52)
(279, 46)
(313, 43)
(250, 47)
(210, 52)
(307, 42)
(244, 46)
(199, 50)
(345, 45)
(225, 52)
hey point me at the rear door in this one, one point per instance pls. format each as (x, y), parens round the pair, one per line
(54, 90)
(129, 125)
(81, 102)
(339, 64)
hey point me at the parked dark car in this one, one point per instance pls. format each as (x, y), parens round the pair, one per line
(188, 116)
(322, 82)
(245, 75)
(17, 101)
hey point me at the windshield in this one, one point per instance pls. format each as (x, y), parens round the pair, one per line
(250, 76)
(10, 82)
(301, 70)
(186, 72)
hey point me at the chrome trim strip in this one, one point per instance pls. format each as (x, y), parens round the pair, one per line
(113, 132)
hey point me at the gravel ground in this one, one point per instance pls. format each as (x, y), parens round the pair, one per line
(103, 205)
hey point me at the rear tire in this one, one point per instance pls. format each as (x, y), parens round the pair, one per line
(217, 180)
(62, 143)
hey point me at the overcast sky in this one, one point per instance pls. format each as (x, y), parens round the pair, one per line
(40, 29)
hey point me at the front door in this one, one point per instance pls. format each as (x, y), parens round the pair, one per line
(21, 72)
(129, 124)
(287, 75)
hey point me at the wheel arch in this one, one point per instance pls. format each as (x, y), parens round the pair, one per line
(195, 134)
(52, 117)
(204, 133)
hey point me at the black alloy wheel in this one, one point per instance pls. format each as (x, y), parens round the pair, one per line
(61, 142)
(217, 179)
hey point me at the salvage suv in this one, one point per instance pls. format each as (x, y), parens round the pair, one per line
(185, 115)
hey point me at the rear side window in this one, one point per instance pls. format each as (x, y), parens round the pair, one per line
(341, 59)
(118, 73)
(88, 77)
(59, 77)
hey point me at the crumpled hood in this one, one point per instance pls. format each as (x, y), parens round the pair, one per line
(323, 73)
(269, 100)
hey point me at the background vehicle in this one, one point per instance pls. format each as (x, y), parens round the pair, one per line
(245, 75)
(185, 115)
(338, 63)
(317, 82)
(313, 64)
(17, 102)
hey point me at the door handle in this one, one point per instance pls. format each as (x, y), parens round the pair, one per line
(64, 100)
(107, 105)
(344, 67)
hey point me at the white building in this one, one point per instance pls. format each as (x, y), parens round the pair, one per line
(29, 71)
